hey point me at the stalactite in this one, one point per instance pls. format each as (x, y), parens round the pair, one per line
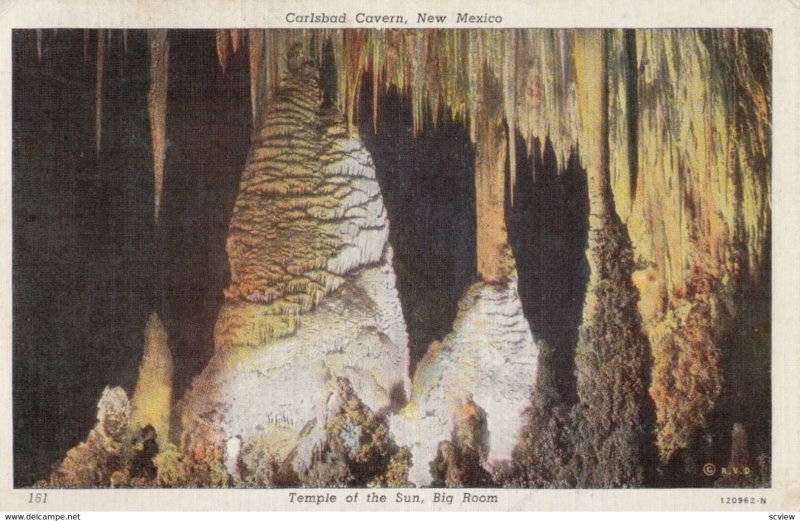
(125, 40)
(418, 78)
(545, 92)
(235, 35)
(39, 38)
(354, 61)
(255, 41)
(157, 107)
(223, 46)
(277, 44)
(98, 113)
(510, 102)
(337, 39)
(632, 105)
(375, 89)
(272, 61)
(623, 119)
(435, 80)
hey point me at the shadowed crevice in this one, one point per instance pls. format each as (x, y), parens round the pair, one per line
(548, 231)
(427, 181)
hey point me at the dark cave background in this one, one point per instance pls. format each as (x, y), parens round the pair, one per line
(428, 187)
(89, 263)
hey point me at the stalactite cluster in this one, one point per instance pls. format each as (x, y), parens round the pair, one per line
(688, 115)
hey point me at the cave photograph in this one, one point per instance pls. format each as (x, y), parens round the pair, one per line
(470, 258)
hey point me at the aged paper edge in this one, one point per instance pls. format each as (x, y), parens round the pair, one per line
(782, 16)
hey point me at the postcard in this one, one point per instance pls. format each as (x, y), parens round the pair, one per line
(371, 256)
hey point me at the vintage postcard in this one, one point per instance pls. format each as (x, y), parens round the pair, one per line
(459, 256)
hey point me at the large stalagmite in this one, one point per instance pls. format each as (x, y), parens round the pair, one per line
(490, 358)
(673, 130)
(312, 296)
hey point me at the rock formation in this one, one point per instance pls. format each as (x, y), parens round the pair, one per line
(312, 297)
(309, 383)
(101, 460)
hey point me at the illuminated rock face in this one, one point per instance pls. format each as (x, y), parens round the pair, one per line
(693, 184)
(313, 298)
(309, 208)
(313, 295)
(152, 398)
(490, 358)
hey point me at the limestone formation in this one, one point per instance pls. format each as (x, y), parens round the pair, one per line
(312, 296)
(488, 358)
(152, 397)
(102, 459)
(309, 381)
(459, 461)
